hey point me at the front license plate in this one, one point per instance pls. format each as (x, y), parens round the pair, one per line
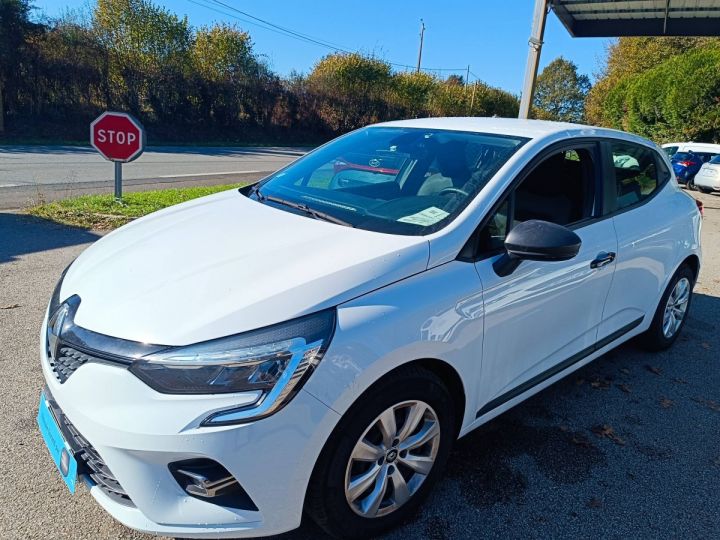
(59, 449)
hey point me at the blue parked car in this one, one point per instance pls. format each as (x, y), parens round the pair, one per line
(687, 164)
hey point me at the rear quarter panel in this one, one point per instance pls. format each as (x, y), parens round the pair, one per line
(653, 240)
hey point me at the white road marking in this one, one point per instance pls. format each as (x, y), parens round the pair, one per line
(206, 174)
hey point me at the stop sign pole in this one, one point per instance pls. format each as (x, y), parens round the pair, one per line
(119, 138)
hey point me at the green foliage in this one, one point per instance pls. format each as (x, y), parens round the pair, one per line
(677, 98)
(185, 83)
(224, 53)
(103, 212)
(411, 90)
(662, 88)
(351, 74)
(560, 92)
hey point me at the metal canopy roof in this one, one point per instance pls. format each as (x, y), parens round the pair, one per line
(614, 18)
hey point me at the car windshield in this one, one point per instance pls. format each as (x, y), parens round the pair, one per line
(395, 180)
(715, 160)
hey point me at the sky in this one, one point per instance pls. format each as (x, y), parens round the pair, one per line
(488, 35)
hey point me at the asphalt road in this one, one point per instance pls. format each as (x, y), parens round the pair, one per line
(627, 447)
(30, 174)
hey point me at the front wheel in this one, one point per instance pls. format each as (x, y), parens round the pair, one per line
(384, 456)
(672, 311)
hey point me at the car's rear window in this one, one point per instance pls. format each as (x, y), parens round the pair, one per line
(395, 180)
(715, 160)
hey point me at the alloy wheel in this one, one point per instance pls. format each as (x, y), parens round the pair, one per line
(676, 307)
(392, 459)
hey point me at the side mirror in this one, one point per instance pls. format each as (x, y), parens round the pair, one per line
(536, 240)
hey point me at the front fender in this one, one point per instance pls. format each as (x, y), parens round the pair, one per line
(436, 314)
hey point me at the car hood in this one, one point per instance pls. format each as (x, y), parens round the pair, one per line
(226, 264)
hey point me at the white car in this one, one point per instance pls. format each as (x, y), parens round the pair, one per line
(707, 179)
(673, 148)
(220, 367)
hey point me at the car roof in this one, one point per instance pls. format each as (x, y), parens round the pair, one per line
(532, 129)
(690, 146)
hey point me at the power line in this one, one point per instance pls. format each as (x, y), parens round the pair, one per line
(267, 25)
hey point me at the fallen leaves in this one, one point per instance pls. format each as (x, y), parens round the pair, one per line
(666, 403)
(602, 384)
(625, 371)
(10, 306)
(582, 441)
(653, 369)
(679, 380)
(624, 387)
(608, 432)
(709, 403)
(705, 345)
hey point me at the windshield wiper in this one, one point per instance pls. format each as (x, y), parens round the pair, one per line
(303, 208)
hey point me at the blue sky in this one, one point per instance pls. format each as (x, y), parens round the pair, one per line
(489, 35)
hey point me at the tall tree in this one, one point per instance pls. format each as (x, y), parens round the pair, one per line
(560, 92)
(15, 27)
(629, 57)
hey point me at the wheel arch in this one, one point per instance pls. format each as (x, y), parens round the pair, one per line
(451, 378)
(693, 261)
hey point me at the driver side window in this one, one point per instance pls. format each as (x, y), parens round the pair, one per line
(560, 189)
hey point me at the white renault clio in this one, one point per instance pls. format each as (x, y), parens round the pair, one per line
(317, 342)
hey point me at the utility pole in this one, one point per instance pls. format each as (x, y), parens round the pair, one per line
(535, 42)
(467, 78)
(472, 100)
(422, 36)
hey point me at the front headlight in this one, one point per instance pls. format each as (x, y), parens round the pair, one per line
(271, 363)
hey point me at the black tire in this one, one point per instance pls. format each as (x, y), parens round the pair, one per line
(705, 190)
(326, 501)
(654, 339)
(691, 184)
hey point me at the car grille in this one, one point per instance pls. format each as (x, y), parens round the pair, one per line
(67, 361)
(89, 461)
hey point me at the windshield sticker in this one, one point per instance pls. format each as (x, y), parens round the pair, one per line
(429, 216)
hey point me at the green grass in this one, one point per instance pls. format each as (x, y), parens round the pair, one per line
(102, 212)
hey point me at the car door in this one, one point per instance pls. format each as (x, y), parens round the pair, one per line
(647, 238)
(544, 317)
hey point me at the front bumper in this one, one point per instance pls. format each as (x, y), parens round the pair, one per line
(138, 432)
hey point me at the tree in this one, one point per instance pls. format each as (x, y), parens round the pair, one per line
(15, 28)
(149, 53)
(353, 89)
(631, 56)
(560, 92)
(678, 99)
(411, 90)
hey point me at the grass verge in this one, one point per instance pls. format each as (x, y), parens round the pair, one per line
(102, 212)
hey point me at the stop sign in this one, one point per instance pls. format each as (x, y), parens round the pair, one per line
(117, 136)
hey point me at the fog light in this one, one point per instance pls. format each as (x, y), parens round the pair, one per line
(208, 480)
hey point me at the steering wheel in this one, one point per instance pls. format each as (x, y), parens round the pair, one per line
(454, 190)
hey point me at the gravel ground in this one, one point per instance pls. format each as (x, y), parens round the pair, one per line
(626, 447)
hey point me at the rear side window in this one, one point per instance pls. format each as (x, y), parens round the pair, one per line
(670, 150)
(636, 173)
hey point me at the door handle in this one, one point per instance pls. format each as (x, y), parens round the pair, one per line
(602, 259)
